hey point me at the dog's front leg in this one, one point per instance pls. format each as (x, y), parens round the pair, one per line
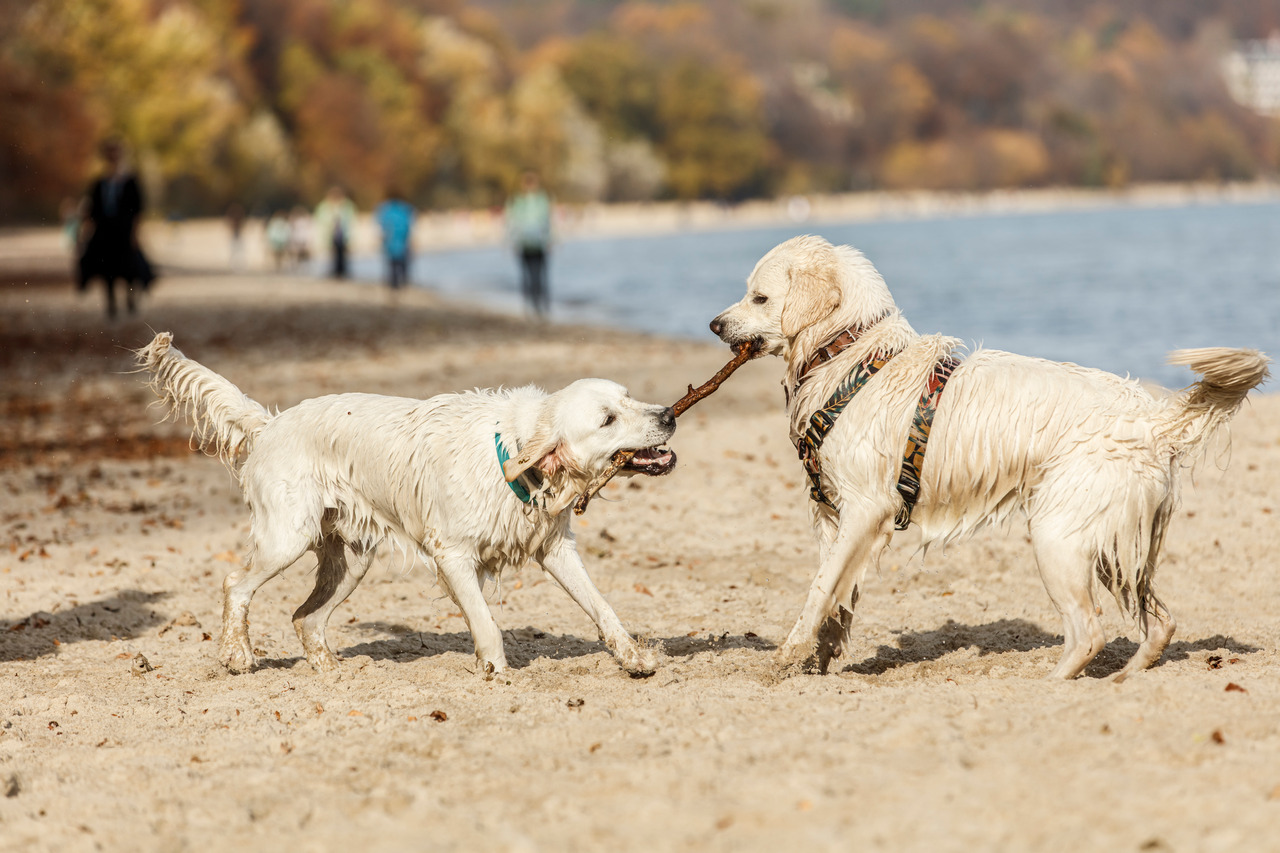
(462, 582)
(827, 614)
(562, 562)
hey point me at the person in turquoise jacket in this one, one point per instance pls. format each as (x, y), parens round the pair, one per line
(528, 217)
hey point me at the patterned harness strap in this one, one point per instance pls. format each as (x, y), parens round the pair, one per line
(917, 438)
(825, 418)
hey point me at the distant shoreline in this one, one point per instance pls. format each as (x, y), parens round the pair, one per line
(204, 245)
(618, 219)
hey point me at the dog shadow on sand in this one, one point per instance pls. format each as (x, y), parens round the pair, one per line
(1019, 635)
(122, 616)
(525, 645)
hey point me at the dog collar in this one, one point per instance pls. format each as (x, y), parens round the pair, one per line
(517, 485)
(834, 347)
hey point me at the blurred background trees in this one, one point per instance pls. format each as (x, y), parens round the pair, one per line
(270, 102)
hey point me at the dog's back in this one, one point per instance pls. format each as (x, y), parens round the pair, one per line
(391, 466)
(1009, 427)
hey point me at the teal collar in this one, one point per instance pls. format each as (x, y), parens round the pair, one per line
(517, 485)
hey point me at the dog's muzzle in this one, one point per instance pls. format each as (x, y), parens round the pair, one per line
(656, 460)
(721, 331)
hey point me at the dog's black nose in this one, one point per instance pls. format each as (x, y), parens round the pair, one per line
(717, 327)
(668, 417)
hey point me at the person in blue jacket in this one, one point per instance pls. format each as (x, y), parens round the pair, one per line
(395, 217)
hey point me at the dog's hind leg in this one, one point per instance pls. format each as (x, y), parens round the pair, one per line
(272, 554)
(1158, 626)
(336, 579)
(1067, 571)
(819, 633)
(1154, 618)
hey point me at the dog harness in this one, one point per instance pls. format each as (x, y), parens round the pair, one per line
(825, 418)
(517, 485)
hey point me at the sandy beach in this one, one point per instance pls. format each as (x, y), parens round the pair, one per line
(938, 733)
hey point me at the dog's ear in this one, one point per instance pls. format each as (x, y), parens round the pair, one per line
(813, 295)
(543, 450)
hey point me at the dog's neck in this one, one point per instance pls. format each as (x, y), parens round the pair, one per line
(837, 344)
(886, 336)
(552, 493)
(817, 346)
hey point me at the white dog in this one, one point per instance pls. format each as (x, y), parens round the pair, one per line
(476, 482)
(1092, 459)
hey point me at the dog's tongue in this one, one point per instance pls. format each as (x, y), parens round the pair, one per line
(653, 461)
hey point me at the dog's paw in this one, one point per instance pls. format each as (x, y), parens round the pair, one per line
(236, 655)
(638, 660)
(318, 653)
(774, 672)
(325, 663)
(490, 668)
(792, 660)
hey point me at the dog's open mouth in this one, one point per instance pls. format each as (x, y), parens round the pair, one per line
(652, 461)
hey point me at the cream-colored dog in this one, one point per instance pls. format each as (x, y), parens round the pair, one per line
(1091, 459)
(476, 482)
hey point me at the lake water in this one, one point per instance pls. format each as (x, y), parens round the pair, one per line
(1114, 288)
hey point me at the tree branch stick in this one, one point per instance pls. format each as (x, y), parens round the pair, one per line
(742, 354)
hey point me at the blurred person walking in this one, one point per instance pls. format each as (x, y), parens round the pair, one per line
(528, 215)
(235, 224)
(110, 231)
(395, 218)
(301, 233)
(335, 220)
(71, 211)
(279, 238)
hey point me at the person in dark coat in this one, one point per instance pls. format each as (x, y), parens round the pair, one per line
(111, 249)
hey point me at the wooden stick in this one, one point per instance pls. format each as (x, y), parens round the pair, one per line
(742, 354)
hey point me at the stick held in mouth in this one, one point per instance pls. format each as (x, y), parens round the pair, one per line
(742, 354)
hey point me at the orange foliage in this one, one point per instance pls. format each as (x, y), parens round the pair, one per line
(271, 101)
(666, 19)
(46, 145)
(987, 158)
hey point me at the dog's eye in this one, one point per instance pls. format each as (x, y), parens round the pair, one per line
(760, 299)
(609, 419)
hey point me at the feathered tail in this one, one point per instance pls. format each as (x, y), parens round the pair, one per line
(225, 420)
(1227, 375)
